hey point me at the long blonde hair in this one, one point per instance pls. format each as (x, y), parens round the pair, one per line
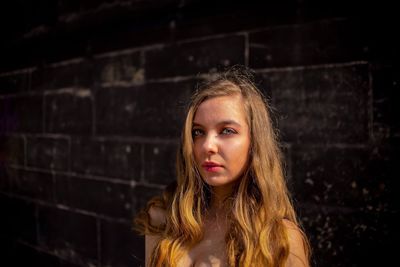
(260, 202)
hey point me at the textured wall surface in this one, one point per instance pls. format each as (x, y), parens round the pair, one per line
(92, 97)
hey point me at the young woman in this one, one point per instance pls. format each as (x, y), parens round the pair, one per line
(229, 205)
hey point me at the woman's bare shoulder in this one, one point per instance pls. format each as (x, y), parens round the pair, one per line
(297, 246)
(157, 219)
(157, 215)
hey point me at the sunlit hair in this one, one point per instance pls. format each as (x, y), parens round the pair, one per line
(256, 235)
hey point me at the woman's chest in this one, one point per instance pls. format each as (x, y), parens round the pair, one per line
(209, 252)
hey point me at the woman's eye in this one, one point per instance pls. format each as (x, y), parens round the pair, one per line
(228, 131)
(196, 132)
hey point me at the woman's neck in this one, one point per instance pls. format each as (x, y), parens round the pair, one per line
(219, 195)
(218, 213)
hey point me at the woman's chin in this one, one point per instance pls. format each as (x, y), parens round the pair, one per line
(218, 181)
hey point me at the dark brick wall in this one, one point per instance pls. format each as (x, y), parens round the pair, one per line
(91, 104)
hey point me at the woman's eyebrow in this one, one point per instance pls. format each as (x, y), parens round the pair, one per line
(224, 122)
(229, 122)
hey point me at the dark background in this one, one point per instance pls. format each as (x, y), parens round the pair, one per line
(91, 103)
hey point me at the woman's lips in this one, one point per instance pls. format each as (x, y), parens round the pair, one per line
(211, 166)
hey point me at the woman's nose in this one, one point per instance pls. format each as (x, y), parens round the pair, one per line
(210, 144)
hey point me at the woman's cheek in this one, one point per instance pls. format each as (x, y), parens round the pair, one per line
(232, 149)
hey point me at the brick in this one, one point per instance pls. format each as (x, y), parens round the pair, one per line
(350, 238)
(48, 153)
(12, 150)
(151, 110)
(57, 48)
(32, 184)
(89, 6)
(121, 246)
(69, 112)
(21, 114)
(68, 75)
(69, 235)
(105, 198)
(23, 255)
(263, 84)
(395, 124)
(359, 178)
(326, 41)
(121, 68)
(15, 82)
(120, 159)
(385, 84)
(286, 157)
(5, 183)
(194, 57)
(19, 218)
(8, 120)
(66, 7)
(159, 163)
(64, 263)
(235, 17)
(324, 105)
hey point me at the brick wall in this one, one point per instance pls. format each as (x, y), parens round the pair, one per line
(91, 104)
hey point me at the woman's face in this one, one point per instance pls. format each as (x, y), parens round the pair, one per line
(221, 139)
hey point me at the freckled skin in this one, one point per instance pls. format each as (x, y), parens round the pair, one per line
(224, 143)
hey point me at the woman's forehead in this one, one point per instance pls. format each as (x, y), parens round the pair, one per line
(221, 108)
